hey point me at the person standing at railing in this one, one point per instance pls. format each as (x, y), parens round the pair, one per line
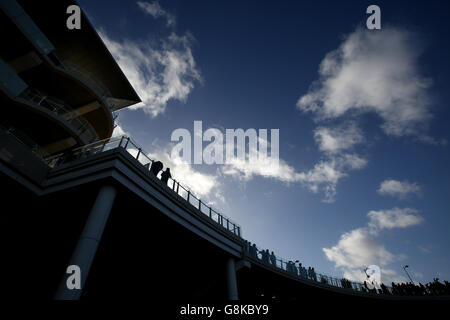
(273, 259)
(303, 272)
(254, 250)
(294, 268)
(313, 273)
(265, 256)
(290, 267)
(165, 176)
(156, 167)
(246, 246)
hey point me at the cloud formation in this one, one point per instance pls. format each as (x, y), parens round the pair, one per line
(360, 247)
(337, 139)
(399, 189)
(266, 167)
(326, 174)
(323, 177)
(373, 72)
(158, 73)
(357, 249)
(393, 218)
(156, 11)
(262, 164)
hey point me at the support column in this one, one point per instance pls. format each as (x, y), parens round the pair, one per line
(86, 248)
(231, 280)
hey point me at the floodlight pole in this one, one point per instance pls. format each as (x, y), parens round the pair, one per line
(404, 268)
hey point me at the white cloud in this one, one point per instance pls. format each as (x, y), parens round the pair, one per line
(393, 218)
(352, 161)
(324, 177)
(158, 74)
(360, 247)
(326, 174)
(357, 249)
(334, 140)
(400, 189)
(374, 72)
(154, 9)
(262, 165)
(266, 167)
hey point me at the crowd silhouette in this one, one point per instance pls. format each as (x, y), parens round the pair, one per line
(434, 288)
(271, 259)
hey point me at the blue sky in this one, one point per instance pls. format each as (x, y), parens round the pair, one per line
(362, 115)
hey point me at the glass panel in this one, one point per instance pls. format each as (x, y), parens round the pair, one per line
(143, 159)
(204, 209)
(112, 145)
(183, 193)
(193, 200)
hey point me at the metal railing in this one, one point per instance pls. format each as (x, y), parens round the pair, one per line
(60, 108)
(306, 273)
(274, 261)
(138, 153)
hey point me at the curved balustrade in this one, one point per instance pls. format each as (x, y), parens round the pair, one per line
(83, 127)
(292, 268)
(138, 153)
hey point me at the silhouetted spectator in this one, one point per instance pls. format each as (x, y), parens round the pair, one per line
(433, 288)
(156, 167)
(289, 266)
(273, 259)
(265, 256)
(253, 250)
(294, 269)
(303, 272)
(165, 176)
(384, 289)
(313, 273)
(247, 246)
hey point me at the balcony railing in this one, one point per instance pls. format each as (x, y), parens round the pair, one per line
(276, 262)
(133, 149)
(302, 272)
(63, 110)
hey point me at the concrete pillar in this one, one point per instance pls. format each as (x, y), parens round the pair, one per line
(231, 280)
(86, 248)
